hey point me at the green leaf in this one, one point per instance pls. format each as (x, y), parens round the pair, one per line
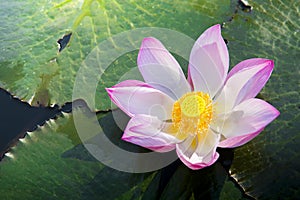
(31, 65)
(268, 167)
(35, 168)
(52, 163)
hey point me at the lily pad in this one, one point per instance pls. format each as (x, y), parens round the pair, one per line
(268, 167)
(36, 169)
(52, 163)
(36, 70)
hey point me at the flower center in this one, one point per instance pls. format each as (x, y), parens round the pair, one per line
(192, 105)
(192, 114)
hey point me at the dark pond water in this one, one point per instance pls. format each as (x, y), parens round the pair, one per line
(17, 117)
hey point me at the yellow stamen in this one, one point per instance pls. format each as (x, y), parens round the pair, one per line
(192, 105)
(191, 116)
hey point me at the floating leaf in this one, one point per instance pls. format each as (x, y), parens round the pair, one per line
(36, 169)
(49, 163)
(52, 162)
(31, 66)
(268, 167)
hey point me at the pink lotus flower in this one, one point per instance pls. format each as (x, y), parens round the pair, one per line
(211, 109)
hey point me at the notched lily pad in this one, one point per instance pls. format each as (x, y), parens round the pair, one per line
(37, 25)
(47, 173)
